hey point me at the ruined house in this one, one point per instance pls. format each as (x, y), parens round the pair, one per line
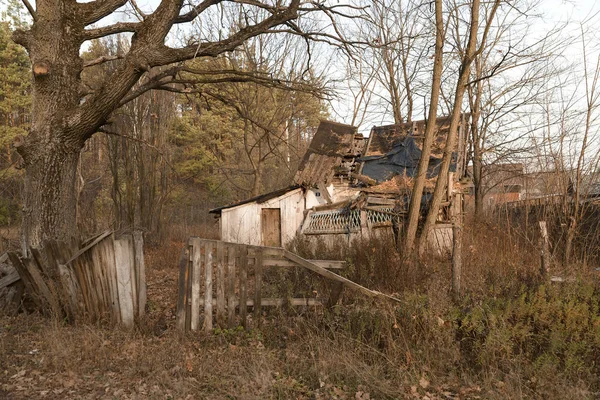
(348, 185)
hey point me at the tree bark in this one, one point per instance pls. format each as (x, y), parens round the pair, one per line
(49, 196)
(441, 183)
(430, 129)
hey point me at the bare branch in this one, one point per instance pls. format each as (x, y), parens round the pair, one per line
(196, 10)
(119, 27)
(100, 60)
(30, 9)
(96, 10)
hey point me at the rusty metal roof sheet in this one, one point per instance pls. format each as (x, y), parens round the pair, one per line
(331, 144)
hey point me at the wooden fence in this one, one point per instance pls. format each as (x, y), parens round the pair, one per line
(228, 278)
(104, 280)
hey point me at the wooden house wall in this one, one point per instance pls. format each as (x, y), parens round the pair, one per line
(242, 224)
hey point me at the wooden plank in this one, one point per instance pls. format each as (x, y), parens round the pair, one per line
(110, 270)
(46, 295)
(123, 262)
(265, 251)
(195, 248)
(277, 302)
(331, 275)
(132, 272)
(221, 284)
(329, 264)
(182, 290)
(4, 258)
(89, 246)
(140, 268)
(30, 287)
(231, 260)
(9, 279)
(258, 269)
(243, 266)
(208, 272)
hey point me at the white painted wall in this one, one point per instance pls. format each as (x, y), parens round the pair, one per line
(241, 224)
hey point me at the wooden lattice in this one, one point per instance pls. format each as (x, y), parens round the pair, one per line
(333, 221)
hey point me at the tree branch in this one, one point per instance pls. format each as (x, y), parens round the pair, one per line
(100, 60)
(196, 10)
(94, 11)
(119, 27)
(30, 9)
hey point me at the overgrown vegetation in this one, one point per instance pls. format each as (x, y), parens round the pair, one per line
(512, 335)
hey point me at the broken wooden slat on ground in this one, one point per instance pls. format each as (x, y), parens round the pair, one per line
(331, 275)
(9, 279)
(278, 302)
(329, 264)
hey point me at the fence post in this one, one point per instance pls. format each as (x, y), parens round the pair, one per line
(243, 252)
(182, 295)
(196, 276)
(231, 259)
(258, 267)
(544, 249)
(208, 270)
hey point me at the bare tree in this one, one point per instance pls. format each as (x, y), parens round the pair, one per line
(66, 113)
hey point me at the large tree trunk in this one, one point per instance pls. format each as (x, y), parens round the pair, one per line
(49, 196)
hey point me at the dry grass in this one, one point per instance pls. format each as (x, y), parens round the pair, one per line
(510, 338)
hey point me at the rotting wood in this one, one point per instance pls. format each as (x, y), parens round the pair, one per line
(140, 268)
(9, 279)
(258, 271)
(208, 272)
(277, 302)
(83, 284)
(331, 275)
(231, 261)
(281, 262)
(243, 266)
(220, 284)
(182, 290)
(124, 283)
(195, 286)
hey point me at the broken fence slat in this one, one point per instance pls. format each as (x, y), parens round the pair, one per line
(140, 268)
(9, 279)
(208, 272)
(231, 260)
(195, 286)
(124, 281)
(277, 302)
(331, 275)
(258, 270)
(243, 253)
(182, 294)
(221, 284)
(329, 264)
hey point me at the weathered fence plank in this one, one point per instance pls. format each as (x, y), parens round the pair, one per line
(220, 284)
(182, 289)
(258, 270)
(243, 265)
(196, 276)
(208, 272)
(231, 261)
(124, 282)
